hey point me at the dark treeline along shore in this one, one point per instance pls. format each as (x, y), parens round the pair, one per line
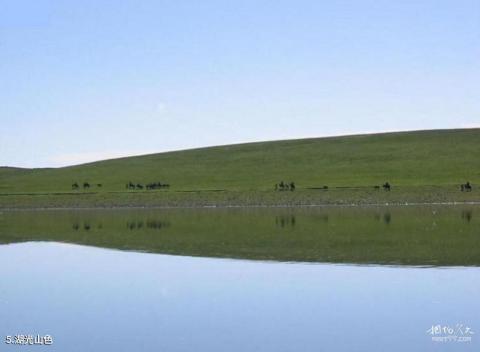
(425, 236)
(398, 168)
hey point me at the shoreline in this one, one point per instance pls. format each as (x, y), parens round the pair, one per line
(302, 198)
(246, 206)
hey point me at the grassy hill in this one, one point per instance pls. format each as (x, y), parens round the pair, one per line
(442, 158)
(407, 158)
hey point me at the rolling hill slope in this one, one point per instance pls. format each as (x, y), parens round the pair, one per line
(439, 157)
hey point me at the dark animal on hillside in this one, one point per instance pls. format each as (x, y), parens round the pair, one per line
(386, 186)
(99, 185)
(130, 185)
(86, 185)
(156, 185)
(75, 186)
(284, 186)
(139, 186)
(467, 187)
(376, 187)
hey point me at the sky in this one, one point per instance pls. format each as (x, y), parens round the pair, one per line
(89, 80)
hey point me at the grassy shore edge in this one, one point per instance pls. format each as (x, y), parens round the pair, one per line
(336, 197)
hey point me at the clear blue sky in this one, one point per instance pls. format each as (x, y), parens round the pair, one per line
(87, 80)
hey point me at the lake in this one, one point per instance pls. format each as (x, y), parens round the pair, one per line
(257, 279)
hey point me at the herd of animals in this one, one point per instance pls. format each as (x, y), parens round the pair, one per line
(285, 186)
(282, 186)
(86, 185)
(290, 186)
(151, 185)
(130, 185)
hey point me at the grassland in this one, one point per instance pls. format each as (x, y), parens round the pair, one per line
(422, 166)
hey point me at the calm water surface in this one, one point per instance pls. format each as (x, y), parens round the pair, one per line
(96, 299)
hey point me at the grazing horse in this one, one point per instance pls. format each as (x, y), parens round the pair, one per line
(282, 186)
(386, 186)
(75, 186)
(467, 187)
(86, 185)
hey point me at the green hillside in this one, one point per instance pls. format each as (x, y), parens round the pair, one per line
(442, 157)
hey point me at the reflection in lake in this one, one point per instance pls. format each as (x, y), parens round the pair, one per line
(130, 224)
(467, 215)
(388, 235)
(285, 220)
(387, 217)
(92, 299)
(149, 224)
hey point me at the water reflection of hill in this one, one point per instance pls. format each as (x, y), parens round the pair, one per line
(394, 235)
